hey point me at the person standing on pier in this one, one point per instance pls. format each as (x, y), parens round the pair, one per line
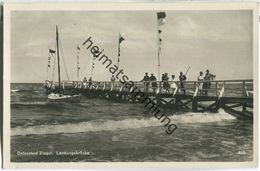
(113, 79)
(90, 81)
(163, 84)
(154, 83)
(208, 77)
(164, 79)
(166, 82)
(146, 81)
(173, 84)
(85, 82)
(182, 79)
(200, 82)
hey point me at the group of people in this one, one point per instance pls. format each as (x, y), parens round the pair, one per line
(165, 82)
(89, 81)
(203, 82)
(147, 81)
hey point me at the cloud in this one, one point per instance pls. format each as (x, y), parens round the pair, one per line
(198, 38)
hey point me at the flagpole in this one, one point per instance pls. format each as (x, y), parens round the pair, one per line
(158, 46)
(48, 63)
(78, 62)
(92, 68)
(118, 50)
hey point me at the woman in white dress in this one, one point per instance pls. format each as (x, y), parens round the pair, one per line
(173, 84)
(200, 82)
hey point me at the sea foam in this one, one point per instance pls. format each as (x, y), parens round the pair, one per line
(111, 125)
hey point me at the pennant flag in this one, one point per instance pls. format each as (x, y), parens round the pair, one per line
(52, 51)
(78, 65)
(121, 39)
(161, 16)
(159, 31)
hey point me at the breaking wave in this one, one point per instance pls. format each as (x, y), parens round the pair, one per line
(30, 103)
(111, 125)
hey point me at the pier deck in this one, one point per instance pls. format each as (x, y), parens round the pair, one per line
(234, 96)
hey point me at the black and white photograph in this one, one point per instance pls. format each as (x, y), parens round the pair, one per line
(156, 84)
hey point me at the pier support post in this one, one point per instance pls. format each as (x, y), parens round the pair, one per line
(195, 104)
(244, 107)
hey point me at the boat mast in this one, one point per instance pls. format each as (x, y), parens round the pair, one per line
(58, 55)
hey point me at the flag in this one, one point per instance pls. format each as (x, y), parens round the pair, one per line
(121, 38)
(161, 16)
(120, 41)
(52, 51)
(159, 31)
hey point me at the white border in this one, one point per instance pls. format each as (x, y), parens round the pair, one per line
(121, 7)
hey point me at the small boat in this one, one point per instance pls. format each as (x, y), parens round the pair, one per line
(14, 90)
(59, 95)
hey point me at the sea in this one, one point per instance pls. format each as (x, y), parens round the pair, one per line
(99, 130)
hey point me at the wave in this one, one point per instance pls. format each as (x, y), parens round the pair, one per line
(27, 91)
(30, 103)
(111, 125)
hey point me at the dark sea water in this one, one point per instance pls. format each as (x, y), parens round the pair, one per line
(102, 130)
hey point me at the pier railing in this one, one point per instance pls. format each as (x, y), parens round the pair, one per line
(219, 88)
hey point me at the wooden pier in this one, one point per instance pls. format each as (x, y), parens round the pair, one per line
(234, 96)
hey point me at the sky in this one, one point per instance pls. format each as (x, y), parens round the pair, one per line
(221, 41)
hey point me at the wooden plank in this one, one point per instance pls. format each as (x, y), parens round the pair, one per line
(211, 105)
(183, 105)
(235, 105)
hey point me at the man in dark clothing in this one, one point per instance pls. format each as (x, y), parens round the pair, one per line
(182, 79)
(163, 78)
(208, 77)
(146, 80)
(166, 83)
(90, 81)
(85, 82)
(154, 83)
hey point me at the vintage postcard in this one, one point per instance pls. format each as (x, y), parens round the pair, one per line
(99, 85)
